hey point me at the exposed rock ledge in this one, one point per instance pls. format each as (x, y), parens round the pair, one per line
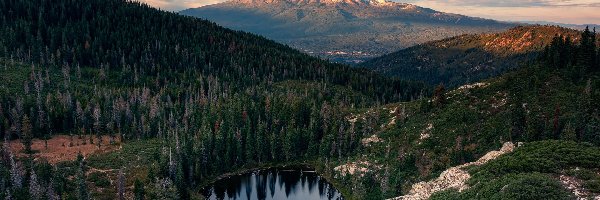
(452, 178)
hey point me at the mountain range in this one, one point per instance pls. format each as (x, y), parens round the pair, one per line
(348, 31)
(573, 26)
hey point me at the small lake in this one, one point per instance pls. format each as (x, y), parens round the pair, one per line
(275, 184)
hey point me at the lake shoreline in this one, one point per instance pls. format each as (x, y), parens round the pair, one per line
(295, 166)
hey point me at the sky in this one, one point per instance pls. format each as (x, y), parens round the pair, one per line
(560, 11)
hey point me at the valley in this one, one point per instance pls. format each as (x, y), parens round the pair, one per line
(321, 27)
(115, 99)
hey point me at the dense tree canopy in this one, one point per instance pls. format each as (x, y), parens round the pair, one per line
(220, 99)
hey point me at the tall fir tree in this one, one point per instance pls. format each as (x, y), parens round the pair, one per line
(82, 188)
(26, 135)
(587, 49)
(373, 188)
(35, 189)
(597, 60)
(138, 190)
(439, 96)
(121, 185)
(16, 173)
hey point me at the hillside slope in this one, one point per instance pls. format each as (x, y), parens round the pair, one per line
(183, 102)
(551, 169)
(186, 99)
(349, 30)
(468, 58)
(407, 143)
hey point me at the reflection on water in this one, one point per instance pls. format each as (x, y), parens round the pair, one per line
(273, 184)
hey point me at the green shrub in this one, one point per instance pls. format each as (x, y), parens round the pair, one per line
(544, 156)
(583, 174)
(99, 179)
(592, 186)
(512, 186)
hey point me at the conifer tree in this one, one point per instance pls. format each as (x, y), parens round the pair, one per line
(439, 95)
(262, 142)
(165, 189)
(7, 196)
(138, 190)
(587, 49)
(26, 135)
(50, 192)
(82, 189)
(518, 116)
(35, 189)
(16, 173)
(121, 185)
(597, 60)
(373, 190)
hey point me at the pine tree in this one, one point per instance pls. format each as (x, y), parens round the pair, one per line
(587, 49)
(262, 142)
(439, 96)
(569, 133)
(26, 135)
(97, 124)
(138, 190)
(82, 189)
(172, 166)
(16, 173)
(373, 189)
(7, 196)
(121, 185)
(314, 131)
(35, 189)
(518, 114)
(165, 189)
(50, 192)
(597, 60)
(557, 126)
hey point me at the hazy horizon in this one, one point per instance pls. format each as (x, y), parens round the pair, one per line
(571, 11)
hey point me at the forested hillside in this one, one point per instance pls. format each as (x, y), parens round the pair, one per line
(469, 58)
(172, 103)
(547, 99)
(207, 99)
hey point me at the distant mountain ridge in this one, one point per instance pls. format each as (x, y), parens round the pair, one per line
(573, 26)
(468, 58)
(343, 30)
(304, 2)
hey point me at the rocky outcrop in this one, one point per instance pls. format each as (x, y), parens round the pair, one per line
(453, 178)
(359, 168)
(576, 186)
(367, 142)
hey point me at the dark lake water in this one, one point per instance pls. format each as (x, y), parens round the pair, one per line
(276, 184)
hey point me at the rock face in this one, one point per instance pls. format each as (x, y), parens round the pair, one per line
(344, 30)
(452, 178)
(359, 168)
(576, 186)
(367, 142)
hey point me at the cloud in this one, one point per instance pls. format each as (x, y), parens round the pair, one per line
(562, 11)
(513, 3)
